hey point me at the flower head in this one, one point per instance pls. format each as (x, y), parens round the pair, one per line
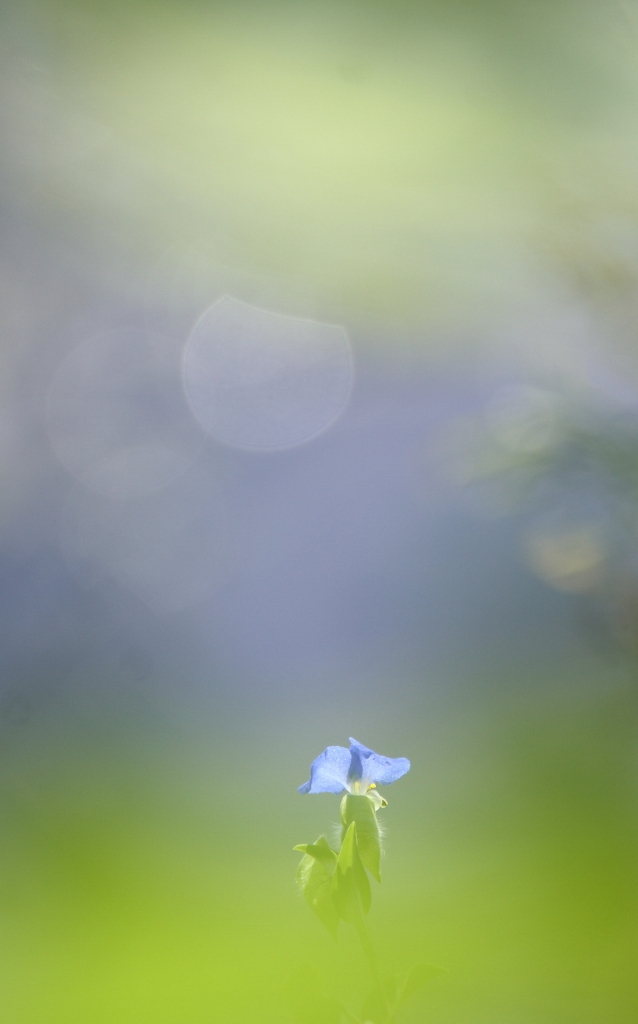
(356, 770)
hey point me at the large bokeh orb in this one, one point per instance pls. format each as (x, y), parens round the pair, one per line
(263, 381)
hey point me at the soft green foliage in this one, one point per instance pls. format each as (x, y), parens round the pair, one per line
(336, 887)
(361, 811)
(350, 886)
(315, 877)
(535, 436)
(511, 862)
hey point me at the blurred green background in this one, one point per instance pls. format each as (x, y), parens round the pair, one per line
(455, 184)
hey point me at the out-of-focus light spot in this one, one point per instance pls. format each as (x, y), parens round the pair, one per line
(188, 279)
(263, 381)
(571, 559)
(501, 452)
(526, 420)
(168, 548)
(116, 416)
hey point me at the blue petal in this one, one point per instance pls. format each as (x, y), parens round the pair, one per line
(328, 772)
(374, 767)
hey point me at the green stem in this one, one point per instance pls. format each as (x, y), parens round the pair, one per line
(371, 956)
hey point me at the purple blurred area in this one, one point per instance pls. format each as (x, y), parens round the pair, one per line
(353, 557)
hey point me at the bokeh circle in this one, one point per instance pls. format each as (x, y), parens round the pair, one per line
(264, 381)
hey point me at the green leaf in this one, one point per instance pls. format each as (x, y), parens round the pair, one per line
(350, 886)
(314, 875)
(360, 809)
(417, 978)
(320, 851)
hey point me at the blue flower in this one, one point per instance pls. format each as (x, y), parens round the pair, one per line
(356, 770)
